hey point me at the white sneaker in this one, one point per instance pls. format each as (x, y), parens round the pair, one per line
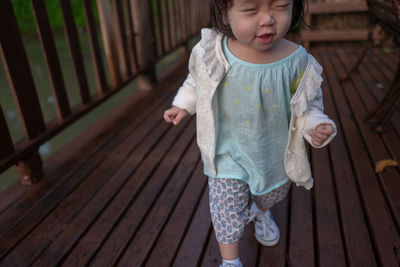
(266, 230)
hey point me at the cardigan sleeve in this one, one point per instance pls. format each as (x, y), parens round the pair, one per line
(314, 116)
(186, 96)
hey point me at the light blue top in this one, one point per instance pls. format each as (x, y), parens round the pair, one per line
(254, 114)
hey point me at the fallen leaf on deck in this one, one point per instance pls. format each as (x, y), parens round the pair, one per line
(380, 165)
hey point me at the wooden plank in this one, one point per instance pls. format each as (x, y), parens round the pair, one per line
(140, 102)
(142, 12)
(301, 233)
(192, 16)
(173, 22)
(172, 236)
(7, 146)
(191, 249)
(368, 71)
(160, 30)
(110, 48)
(18, 73)
(53, 63)
(185, 18)
(75, 201)
(331, 251)
(166, 26)
(384, 75)
(179, 20)
(388, 179)
(198, 233)
(377, 94)
(212, 256)
(74, 46)
(85, 219)
(99, 73)
(334, 35)
(277, 255)
(134, 225)
(376, 209)
(122, 131)
(249, 247)
(344, 7)
(131, 37)
(23, 225)
(390, 57)
(25, 147)
(166, 245)
(359, 246)
(120, 33)
(151, 180)
(16, 233)
(73, 154)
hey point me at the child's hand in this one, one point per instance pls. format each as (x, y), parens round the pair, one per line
(174, 115)
(321, 133)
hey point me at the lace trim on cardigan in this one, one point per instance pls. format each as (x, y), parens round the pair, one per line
(310, 83)
(213, 56)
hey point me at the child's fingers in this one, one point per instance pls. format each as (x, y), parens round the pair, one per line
(316, 143)
(320, 136)
(325, 129)
(179, 117)
(317, 139)
(169, 116)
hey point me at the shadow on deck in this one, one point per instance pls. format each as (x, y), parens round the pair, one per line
(131, 191)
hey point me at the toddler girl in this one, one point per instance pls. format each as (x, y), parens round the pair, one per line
(257, 97)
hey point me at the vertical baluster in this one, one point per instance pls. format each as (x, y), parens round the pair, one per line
(22, 85)
(75, 50)
(99, 73)
(106, 25)
(178, 21)
(194, 11)
(131, 37)
(120, 33)
(144, 27)
(186, 17)
(156, 24)
(160, 27)
(172, 19)
(166, 28)
(6, 147)
(53, 63)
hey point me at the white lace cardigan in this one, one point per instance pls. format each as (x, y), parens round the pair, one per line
(208, 66)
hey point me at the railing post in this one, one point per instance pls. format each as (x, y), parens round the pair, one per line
(145, 41)
(21, 82)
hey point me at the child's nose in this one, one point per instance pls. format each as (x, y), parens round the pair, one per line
(267, 19)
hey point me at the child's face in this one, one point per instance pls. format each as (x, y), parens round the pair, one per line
(259, 24)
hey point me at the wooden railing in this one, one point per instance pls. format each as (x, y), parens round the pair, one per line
(135, 35)
(325, 7)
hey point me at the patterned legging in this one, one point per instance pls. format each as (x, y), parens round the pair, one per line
(229, 202)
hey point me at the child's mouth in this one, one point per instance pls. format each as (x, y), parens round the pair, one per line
(266, 38)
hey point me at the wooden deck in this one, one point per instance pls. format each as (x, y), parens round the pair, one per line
(135, 194)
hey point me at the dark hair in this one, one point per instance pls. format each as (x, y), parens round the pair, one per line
(219, 9)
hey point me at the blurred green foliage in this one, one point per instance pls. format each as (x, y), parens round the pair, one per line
(24, 13)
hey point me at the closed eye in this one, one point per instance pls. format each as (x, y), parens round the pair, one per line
(249, 10)
(283, 6)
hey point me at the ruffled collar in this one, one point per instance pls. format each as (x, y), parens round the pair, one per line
(213, 56)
